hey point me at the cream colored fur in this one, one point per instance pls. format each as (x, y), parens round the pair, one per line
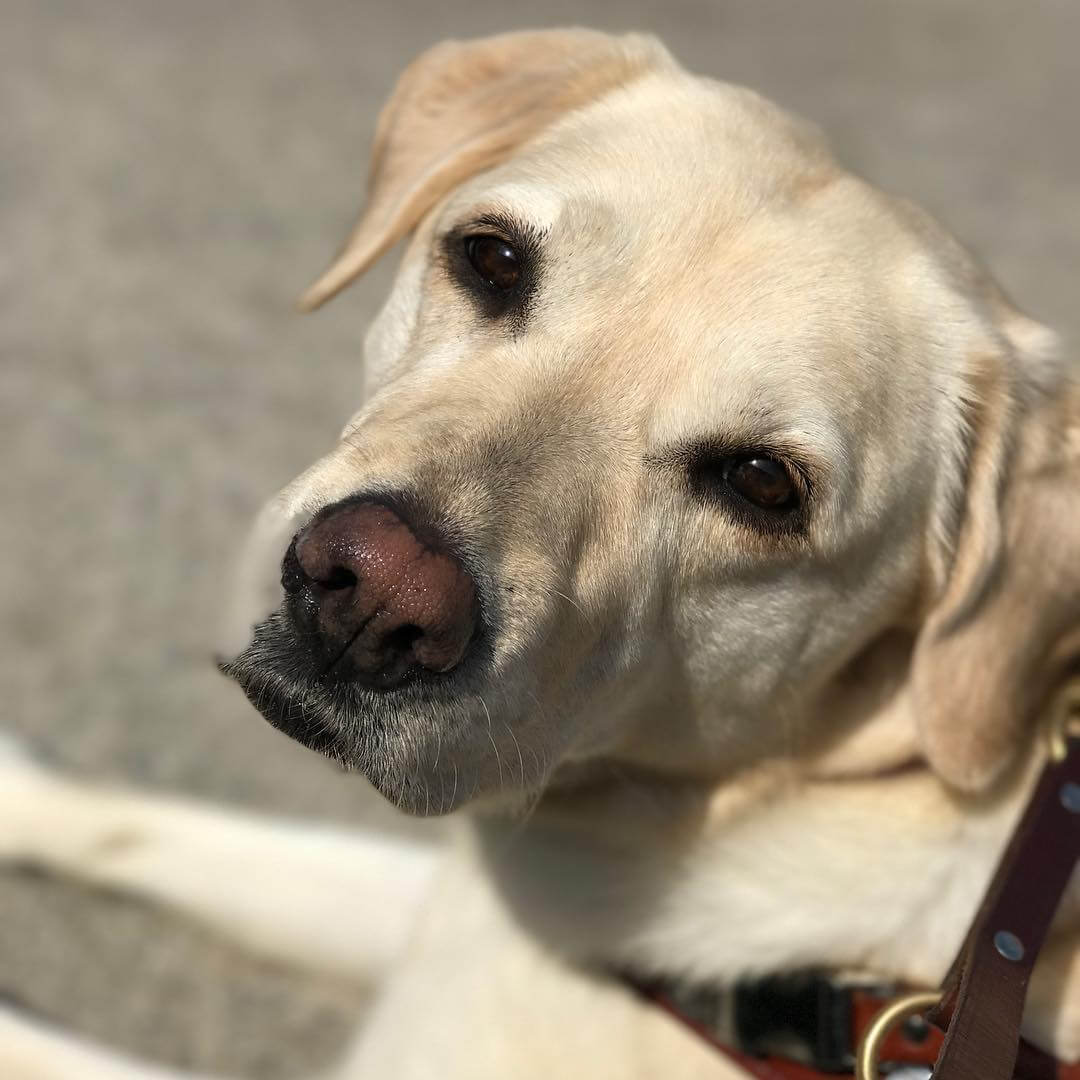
(701, 750)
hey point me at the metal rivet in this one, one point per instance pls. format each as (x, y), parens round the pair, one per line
(1070, 797)
(916, 1030)
(1009, 945)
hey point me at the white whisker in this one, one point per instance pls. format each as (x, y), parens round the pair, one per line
(573, 603)
(491, 737)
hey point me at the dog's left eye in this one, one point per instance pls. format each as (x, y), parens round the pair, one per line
(762, 481)
(761, 490)
(494, 260)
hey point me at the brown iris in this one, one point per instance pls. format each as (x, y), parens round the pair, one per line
(494, 260)
(762, 481)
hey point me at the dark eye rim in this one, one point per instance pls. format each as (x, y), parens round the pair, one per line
(707, 470)
(491, 301)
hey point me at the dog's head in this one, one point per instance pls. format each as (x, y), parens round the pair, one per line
(683, 447)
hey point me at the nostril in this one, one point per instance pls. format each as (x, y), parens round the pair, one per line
(293, 577)
(340, 577)
(402, 639)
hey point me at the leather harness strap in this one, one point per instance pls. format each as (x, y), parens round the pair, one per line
(976, 1027)
(984, 992)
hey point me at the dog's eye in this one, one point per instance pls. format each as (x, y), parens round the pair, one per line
(494, 260)
(763, 491)
(762, 481)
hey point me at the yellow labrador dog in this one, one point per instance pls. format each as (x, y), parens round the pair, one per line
(709, 532)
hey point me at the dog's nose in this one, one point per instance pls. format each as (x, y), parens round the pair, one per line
(383, 602)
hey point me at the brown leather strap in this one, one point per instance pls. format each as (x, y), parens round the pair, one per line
(985, 990)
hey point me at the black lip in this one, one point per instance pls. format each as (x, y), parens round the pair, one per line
(278, 676)
(278, 704)
(282, 676)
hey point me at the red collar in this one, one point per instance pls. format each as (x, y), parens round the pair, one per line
(974, 1033)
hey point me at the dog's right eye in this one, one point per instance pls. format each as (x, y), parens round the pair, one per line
(762, 481)
(760, 488)
(497, 263)
(494, 261)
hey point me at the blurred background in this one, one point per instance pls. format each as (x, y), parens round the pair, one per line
(171, 175)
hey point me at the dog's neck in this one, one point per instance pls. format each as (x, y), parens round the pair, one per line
(789, 865)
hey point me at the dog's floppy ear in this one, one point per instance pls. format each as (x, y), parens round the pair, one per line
(1005, 631)
(463, 107)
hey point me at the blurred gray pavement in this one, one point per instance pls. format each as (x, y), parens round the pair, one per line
(171, 175)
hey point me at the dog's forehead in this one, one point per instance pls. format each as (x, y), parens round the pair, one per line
(713, 207)
(672, 145)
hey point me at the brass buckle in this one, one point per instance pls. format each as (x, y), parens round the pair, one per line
(866, 1057)
(1063, 719)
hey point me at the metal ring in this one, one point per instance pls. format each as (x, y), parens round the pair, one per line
(1064, 717)
(866, 1057)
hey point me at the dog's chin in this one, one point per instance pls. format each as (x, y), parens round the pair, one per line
(424, 746)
